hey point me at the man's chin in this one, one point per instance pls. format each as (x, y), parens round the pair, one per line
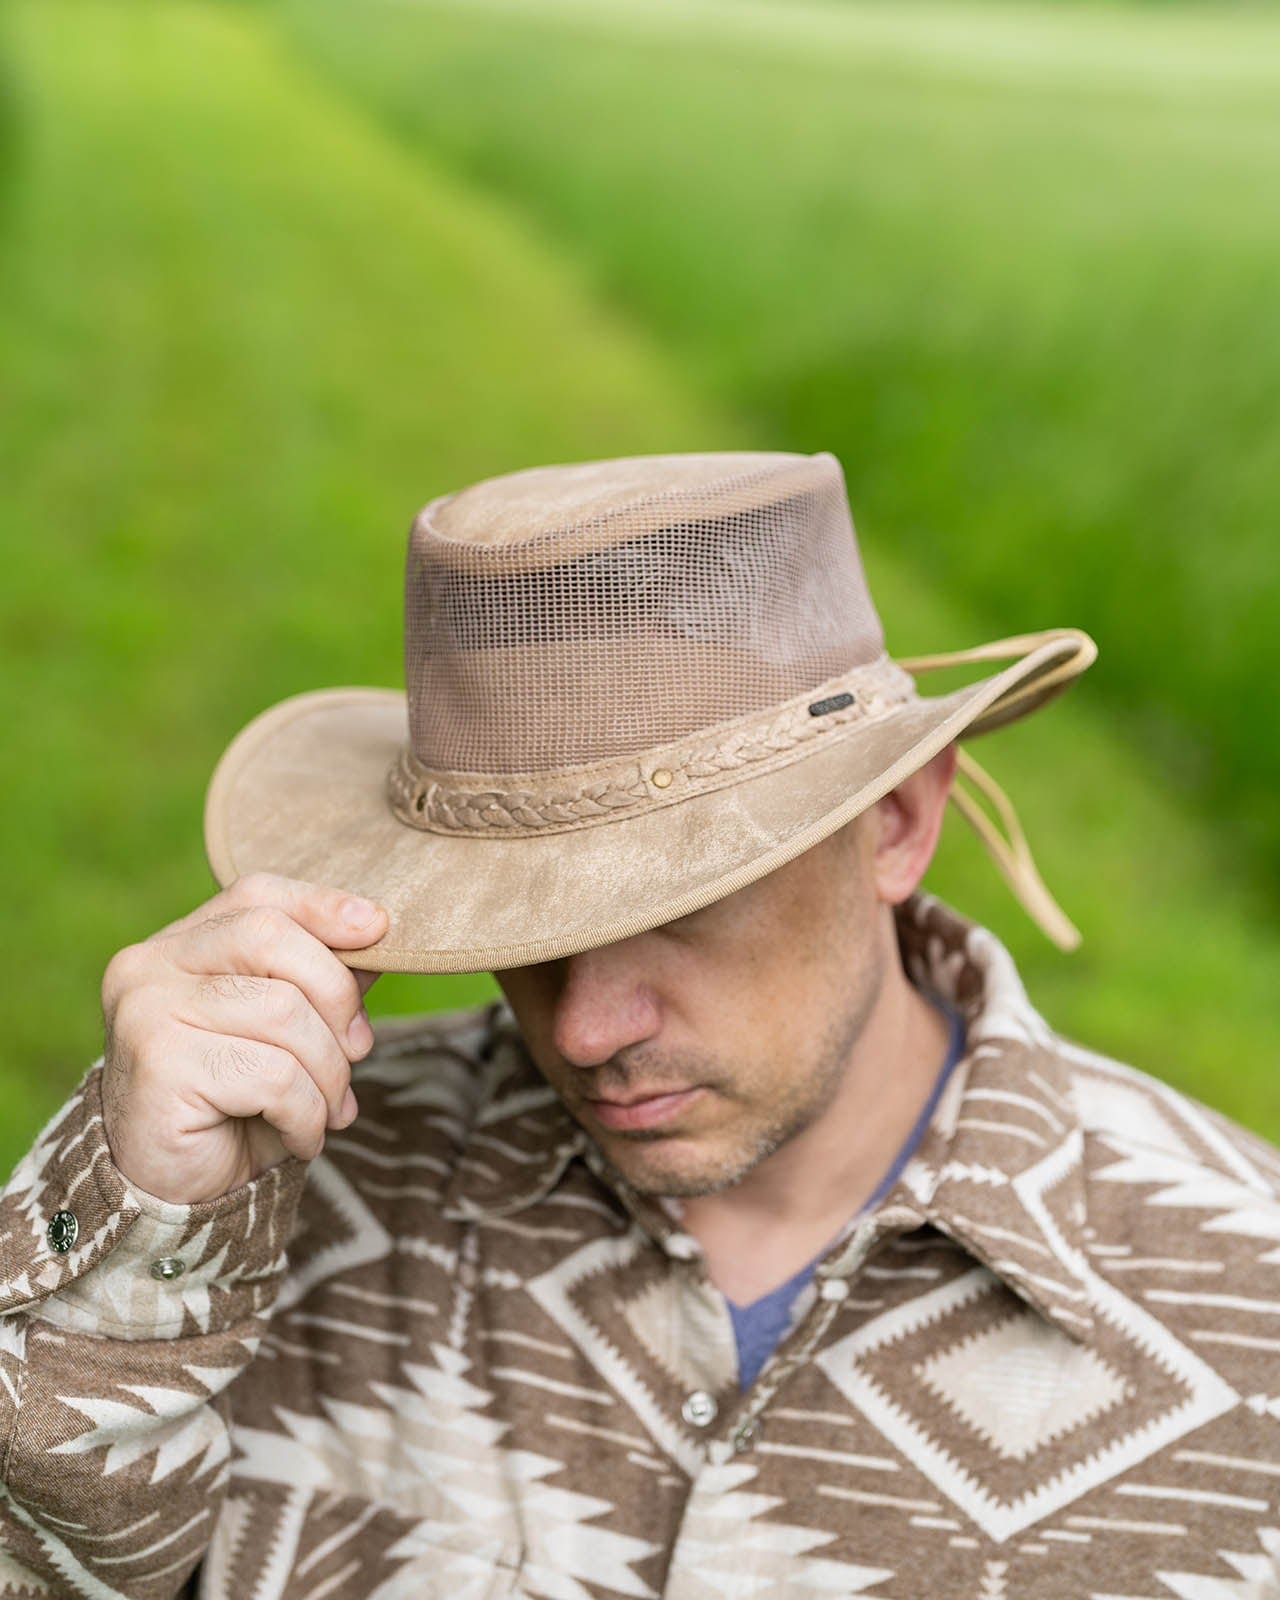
(674, 1168)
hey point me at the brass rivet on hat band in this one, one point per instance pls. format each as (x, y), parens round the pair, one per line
(660, 778)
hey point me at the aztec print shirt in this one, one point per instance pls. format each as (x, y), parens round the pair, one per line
(448, 1359)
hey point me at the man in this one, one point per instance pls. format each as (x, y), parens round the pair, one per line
(762, 1240)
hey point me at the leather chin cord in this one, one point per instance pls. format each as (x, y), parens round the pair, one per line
(1010, 850)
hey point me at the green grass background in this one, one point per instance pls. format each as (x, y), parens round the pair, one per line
(273, 275)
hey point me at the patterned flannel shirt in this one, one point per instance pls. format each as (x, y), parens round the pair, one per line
(449, 1358)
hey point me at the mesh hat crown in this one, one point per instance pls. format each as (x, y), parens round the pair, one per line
(604, 660)
(624, 610)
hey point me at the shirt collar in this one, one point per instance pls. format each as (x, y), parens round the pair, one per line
(998, 1169)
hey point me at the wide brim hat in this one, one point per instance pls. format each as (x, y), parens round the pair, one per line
(632, 687)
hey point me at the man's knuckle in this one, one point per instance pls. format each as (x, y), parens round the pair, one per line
(315, 1117)
(232, 1059)
(279, 1069)
(252, 987)
(228, 917)
(338, 992)
(212, 986)
(266, 923)
(252, 888)
(223, 986)
(122, 970)
(284, 1004)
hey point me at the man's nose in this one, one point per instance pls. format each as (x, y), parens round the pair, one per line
(604, 1005)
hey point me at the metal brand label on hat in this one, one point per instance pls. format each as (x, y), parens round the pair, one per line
(836, 702)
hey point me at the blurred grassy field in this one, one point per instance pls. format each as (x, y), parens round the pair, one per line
(270, 277)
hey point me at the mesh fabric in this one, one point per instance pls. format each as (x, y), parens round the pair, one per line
(572, 614)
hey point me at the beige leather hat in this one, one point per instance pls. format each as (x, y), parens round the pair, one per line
(632, 687)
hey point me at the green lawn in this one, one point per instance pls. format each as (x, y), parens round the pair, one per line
(252, 315)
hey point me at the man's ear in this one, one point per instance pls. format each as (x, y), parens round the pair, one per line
(909, 819)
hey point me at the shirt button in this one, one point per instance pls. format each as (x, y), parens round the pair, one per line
(62, 1230)
(168, 1267)
(699, 1409)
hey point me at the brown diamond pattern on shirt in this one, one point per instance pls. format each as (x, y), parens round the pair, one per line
(1007, 1415)
(1014, 1385)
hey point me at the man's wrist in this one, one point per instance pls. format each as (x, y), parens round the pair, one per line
(88, 1250)
(181, 1269)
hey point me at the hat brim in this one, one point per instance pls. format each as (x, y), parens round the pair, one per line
(301, 790)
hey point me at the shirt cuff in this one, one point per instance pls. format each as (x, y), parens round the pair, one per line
(90, 1252)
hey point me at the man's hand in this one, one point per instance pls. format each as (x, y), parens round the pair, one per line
(230, 1035)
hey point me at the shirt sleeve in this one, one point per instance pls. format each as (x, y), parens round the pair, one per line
(123, 1320)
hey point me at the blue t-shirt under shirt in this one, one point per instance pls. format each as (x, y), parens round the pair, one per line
(758, 1327)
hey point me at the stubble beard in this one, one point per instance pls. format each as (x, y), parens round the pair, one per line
(791, 1119)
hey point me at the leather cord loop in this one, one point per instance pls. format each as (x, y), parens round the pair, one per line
(1010, 851)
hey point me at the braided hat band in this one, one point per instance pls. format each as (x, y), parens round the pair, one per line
(440, 802)
(577, 797)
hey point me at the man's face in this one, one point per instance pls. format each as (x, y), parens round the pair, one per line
(690, 1053)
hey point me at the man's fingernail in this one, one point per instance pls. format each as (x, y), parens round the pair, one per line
(359, 1033)
(349, 1108)
(358, 913)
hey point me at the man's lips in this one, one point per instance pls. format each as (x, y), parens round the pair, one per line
(642, 1110)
